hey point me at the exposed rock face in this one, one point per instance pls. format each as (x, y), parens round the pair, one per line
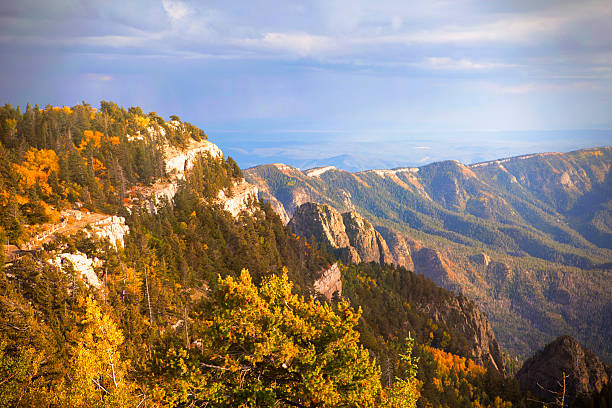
(354, 238)
(179, 161)
(514, 207)
(112, 228)
(368, 243)
(242, 198)
(82, 265)
(542, 373)
(481, 259)
(329, 283)
(322, 222)
(462, 314)
(398, 247)
(431, 263)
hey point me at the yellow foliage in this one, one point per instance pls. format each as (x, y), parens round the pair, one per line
(11, 123)
(114, 140)
(98, 167)
(141, 121)
(36, 168)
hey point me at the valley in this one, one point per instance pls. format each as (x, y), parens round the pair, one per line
(512, 234)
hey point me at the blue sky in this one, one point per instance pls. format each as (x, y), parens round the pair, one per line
(382, 83)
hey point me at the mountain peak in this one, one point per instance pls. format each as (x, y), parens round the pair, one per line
(543, 374)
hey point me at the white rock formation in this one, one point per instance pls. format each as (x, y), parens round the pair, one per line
(112, 228)
(82, 265)
(179, 161)
(243, 195)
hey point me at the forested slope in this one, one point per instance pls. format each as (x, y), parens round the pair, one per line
(540, 222)
(168, 315)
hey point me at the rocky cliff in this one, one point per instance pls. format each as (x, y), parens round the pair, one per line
(81, 264)
(178, 161)
(112, 228)
(243, 196)
(543, 374)
(464, 316)
(353, 238)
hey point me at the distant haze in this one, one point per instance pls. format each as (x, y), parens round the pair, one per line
(378, 151)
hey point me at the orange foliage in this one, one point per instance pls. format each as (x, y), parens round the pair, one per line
(95, 139)
(447, 362)
(114, 140)
(36, 168)
(98, 167)
(56, 109)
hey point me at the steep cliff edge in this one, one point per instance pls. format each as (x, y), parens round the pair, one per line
(353, 239)
(464, 316)
(543, 373)
(351, 236)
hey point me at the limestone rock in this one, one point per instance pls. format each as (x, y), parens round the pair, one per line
(82, 265)
(179, 161)
(112, 228)
(242, 198)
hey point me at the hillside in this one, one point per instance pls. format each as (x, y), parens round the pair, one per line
(140, 268)
(527, 237)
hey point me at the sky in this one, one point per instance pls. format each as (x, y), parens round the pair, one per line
(359, 84)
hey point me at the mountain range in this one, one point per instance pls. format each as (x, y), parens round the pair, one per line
(529, 238)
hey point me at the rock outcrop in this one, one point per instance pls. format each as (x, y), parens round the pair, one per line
(481, 259)
(398, 246)
(112, 228)
(321, 222)
(329, 283)
(466, 318)
(349, 235)
(242, 198)
(543, 373)
(368, 242)
(178, 161)
(81, 264)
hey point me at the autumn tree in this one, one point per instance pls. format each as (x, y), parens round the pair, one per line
(265, 346)
(98, 374)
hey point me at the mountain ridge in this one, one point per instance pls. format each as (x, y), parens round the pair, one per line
(551, 258)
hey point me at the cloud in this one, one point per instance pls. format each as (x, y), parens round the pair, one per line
(463, 64)
(175, 9)
(301, 44)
